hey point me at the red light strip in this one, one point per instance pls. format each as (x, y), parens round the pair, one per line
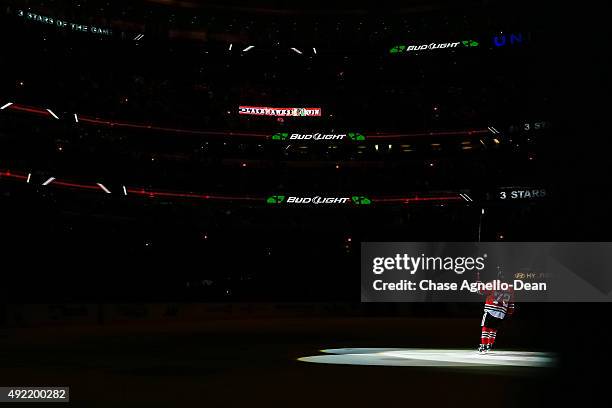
(154, 193)
(415, 199)
(472, 132)
(29, 109)
(131, 125)
(75, 185)
(108, 123)
(168, 194)
(9, 174)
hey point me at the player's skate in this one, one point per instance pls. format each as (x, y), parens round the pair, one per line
(484, 348)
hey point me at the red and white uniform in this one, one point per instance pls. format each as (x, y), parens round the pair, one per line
(499, 303)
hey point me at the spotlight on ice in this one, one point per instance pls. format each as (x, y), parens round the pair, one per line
(413, 357)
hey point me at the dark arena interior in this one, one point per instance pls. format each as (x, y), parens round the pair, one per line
(186, 186)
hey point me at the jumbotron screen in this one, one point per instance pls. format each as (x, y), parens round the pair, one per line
(268, 111)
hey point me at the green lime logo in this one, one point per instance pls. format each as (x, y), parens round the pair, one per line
(470, 43)
(397, 48)
(280, 136)
(357, 137)
(275, 199)
(361, 200)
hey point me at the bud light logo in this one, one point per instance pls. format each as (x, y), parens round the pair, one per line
(276, 199)
(318, 200)
(398, 49)
(361, 200)
(352, 136)
(280, 136)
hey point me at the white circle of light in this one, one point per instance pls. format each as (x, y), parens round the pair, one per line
(432, 357)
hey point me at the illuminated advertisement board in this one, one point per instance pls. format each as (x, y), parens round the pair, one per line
(520, 193)
(318, 200)
(267, 111)
(433, 46)
(510, 39)
(316, 136)
(83, 28)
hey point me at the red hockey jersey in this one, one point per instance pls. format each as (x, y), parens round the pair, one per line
(499, 302)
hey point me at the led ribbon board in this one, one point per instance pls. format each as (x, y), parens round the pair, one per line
(83, 28)
(350, 136)
(399, 49)
(267, 111)
(520, 193)
(318, 200)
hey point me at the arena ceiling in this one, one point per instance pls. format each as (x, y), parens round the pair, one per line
(318, 6)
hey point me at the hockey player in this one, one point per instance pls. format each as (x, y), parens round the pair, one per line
(498, 305)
